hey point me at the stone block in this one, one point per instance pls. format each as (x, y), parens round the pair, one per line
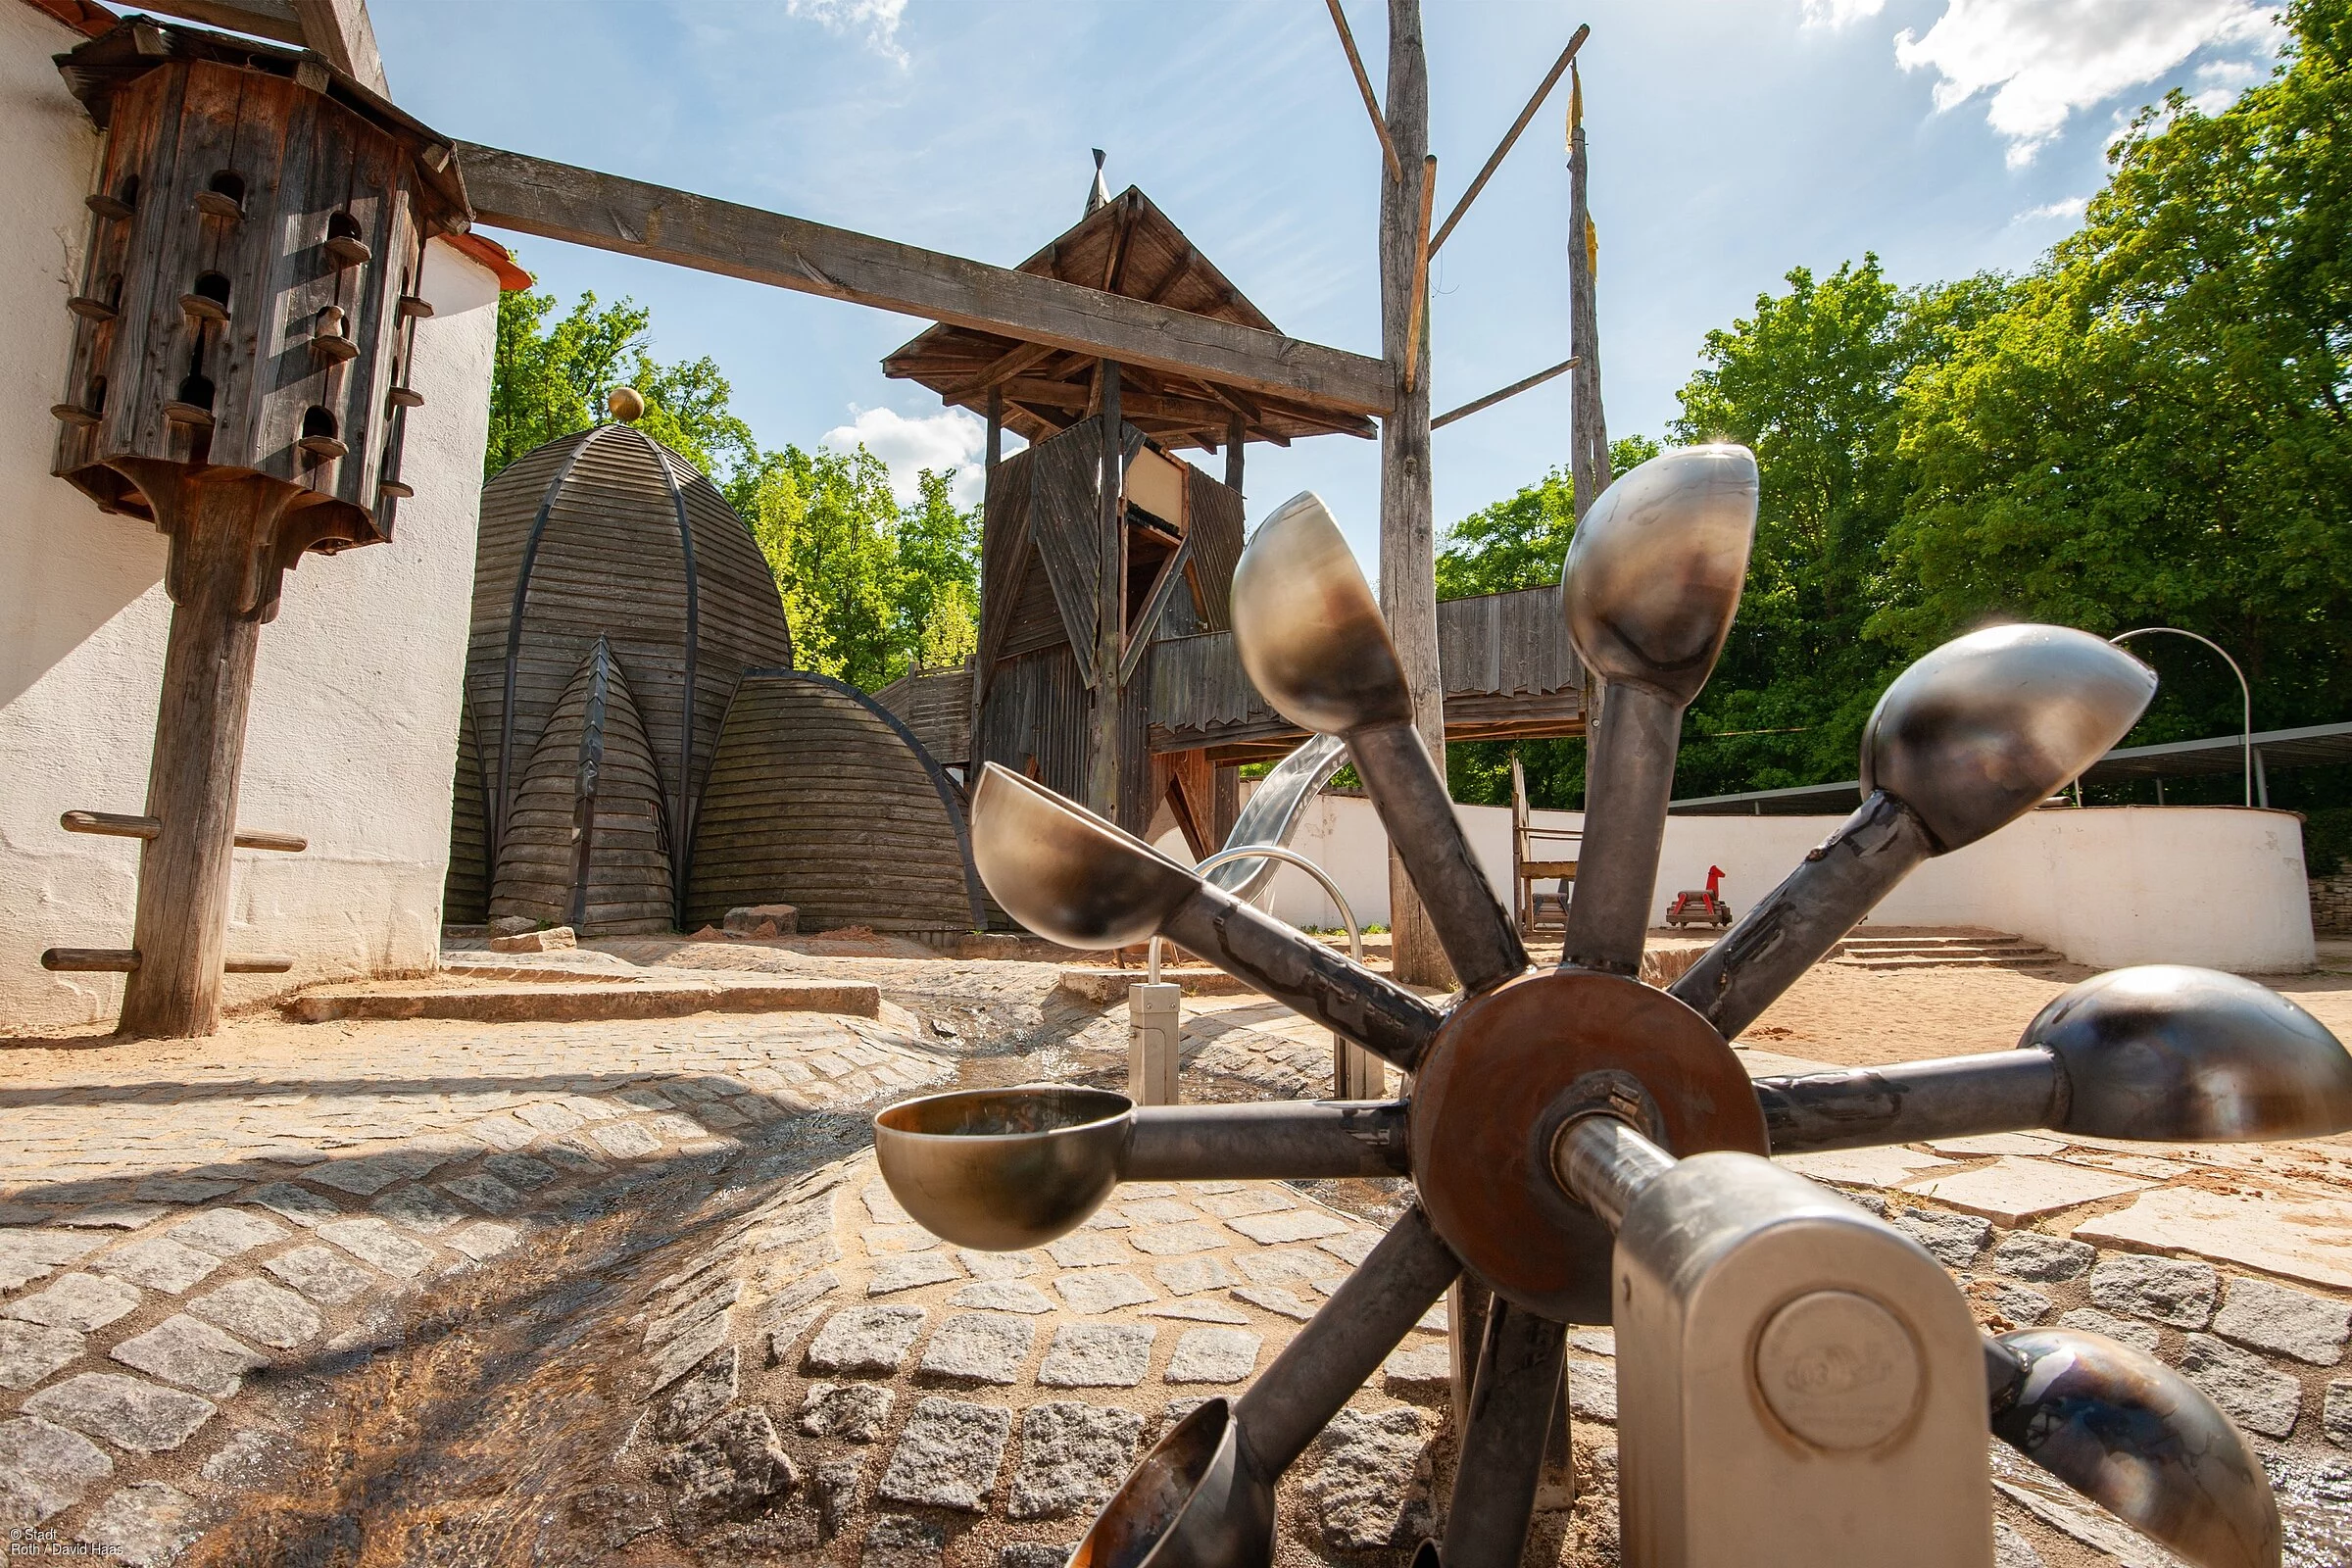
(1089, 1249)
(2248, 1388)
(687, 1352)
(517, 1171)
(1214, 1355)
(909, 1272)
(1098, 1356)
(1249, 1201)
(702, 1393)
(1350, 1249)
(1194, 1309)
(898, 1540)
(1031, 1554)
(487, 1193)
(512, 925)
(998, 1265)
(865, 1339)
(129, 1412)
(1073, 1457)
(1288, 1225)
(2305, 1242)
(763, 921)
(833, 1485)
(2284, 1321)
(735, 1466)
(1276, 1298)
(323, 1275)
(2042, 1259)
(852, 1413)
(2177, 1291)
(555, 939)
(117, 1216)
(2015, 1191)
(228, 1232)
(1363, 1479)
(418, 1208)
(483, 1239)
(1864, 1167)
(376, 1242)
(1103, 1290)
(27, 1256)
(626, 1140)
(1173, 1241)
(1592, 1391)
(30, 1351)
(2335, 1413)
(79, 1302)
(1418, 1372)
(2123, 1331)
(1188, 1276)
(948, 1456)
(1003, 1295)
(1952, 1240)
(146, 1523)
(2013, 1304)
(981, 1347)
(297, 1203)
(46, 1468)
(159, 1263)
(1296, 1267)
(1160, 1211)
(191, 1354)
(260, 1310)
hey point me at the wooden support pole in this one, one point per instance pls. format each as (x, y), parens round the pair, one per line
(1589, 426)
(1420, 286)
(222, 531)
(1502, 148)
(1235, 437)
(1493, 397)
(1363, 84)
(1104, 762)
(995, 430)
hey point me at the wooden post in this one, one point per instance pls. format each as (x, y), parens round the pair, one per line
(1408, 594)
(1225, 802)
(1110, 580)
(1588, 428)
(996, 429)
(224, 566)
(1235, 436)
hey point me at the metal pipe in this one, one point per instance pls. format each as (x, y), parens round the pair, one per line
(1304, 975)
(1954, 1096)
(1287, 857)
(1410, 791)
(1502, 1447)
(2245, 692)
(1276, 1140)
(1343, 1344)
(1629, 777)
(1604, 1164)
(1792, 926)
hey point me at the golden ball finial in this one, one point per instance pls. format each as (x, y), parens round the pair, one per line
(627, 402)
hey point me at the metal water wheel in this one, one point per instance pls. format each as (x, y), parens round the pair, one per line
(1799, 1382)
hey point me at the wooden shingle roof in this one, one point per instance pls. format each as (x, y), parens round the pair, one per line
(1127, 246)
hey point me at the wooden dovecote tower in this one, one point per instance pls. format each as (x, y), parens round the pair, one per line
(1098, 542)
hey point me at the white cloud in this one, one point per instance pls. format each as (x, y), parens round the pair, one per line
(1838, 12)
(877, 20)
(951, 438)
(2064, 207)
(2043, 60)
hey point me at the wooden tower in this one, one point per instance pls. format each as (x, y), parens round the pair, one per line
(1097, 541)
(239, 375)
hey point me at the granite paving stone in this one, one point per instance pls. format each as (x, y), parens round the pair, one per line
(148, 1522)
(2090, 1320)
(550, 1117)
(46, 1468)
(115, 1216)
(736, 1465)
(1292, 1267)
(260, 1310)
(684, 1353)
(1363, 1481)
(419, 1207)
(320, 1273)
(519, 1170)
(1952, 1240)
(228, 1232)
(701, 1393)
(853, 1412)
(191, 1354)
(83, 1301)
(1098, 1356)
(1592, 1391)
(1103, 1290)
(1003, 1295)
(2247, 1388)
(2178, 1291)
(376, 1242)
(485, 1192)
(2335, 1413)
(2283, 1321)
(1353, 1248)
(2018, 1304)
(1188, 1276)
(159, 1263)
(1418, 1372)
(2015, 1191)
(1073, 1457)
(1194, 1309)
(1264, 1199)
(626, 1140)
(370, 1174)
(2299, 1239)
(900, 1541)
(129, 1412)
(503, 1132)
(909, 1272)
(297, 1203)
(1214, 1355)
(865, 1339)
(1276, 1298)
(30, 1351)
(948, 1456)
(1158, 1212)
(999, 1265)
(1089, 1249)
(981, 1347)
(1287, 1225)
(29, 1255)
(2042, 1259)
(1165, 1241)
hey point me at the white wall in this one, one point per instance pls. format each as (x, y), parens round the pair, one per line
(2218, 886)
(353, 734)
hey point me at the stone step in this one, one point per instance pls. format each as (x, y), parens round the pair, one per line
(1959, 961)
(582, 1002)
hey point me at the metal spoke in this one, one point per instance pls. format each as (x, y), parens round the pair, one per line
(1074, 878)
(1649, 587)
(1344, 1343)
(1282, 1140)
(1954, 1097)
(1501, 1457)
(2130, 1433)
(1310, 635)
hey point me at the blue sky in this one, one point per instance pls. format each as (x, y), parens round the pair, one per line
(1730, 141)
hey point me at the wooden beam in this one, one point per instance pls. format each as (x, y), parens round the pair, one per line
(273, 19)
(340, 32)
(1004, 369)
(557, 201)
(1363, 84)
(1504, 147)
(1511, 391)
(1421, 248)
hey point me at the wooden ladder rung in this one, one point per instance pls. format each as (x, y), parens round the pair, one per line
(91, 961)
(114, 824)
(259, 963)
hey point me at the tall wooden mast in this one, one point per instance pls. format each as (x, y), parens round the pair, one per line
(1589, 427)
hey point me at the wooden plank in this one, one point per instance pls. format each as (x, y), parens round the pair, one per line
(1511, 391)
(340, 30)
(1363, 84)
(275, 20)
(559, 201)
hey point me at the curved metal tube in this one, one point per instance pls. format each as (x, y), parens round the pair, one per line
(1271, 854)
(1501, 1461)
(1272, 815)
(2130, 1433)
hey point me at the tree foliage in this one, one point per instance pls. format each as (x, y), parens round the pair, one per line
(870, 587)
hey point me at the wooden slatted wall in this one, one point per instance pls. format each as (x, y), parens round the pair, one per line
(465, 892)
(936, 707)
(1216, 539)
(818, 800)
(1037, 708)
(1066, 525)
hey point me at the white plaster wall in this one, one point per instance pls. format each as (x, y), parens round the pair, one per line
(353, 735)
(2218, 886)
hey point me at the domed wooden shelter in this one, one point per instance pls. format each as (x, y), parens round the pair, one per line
(628, 635)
